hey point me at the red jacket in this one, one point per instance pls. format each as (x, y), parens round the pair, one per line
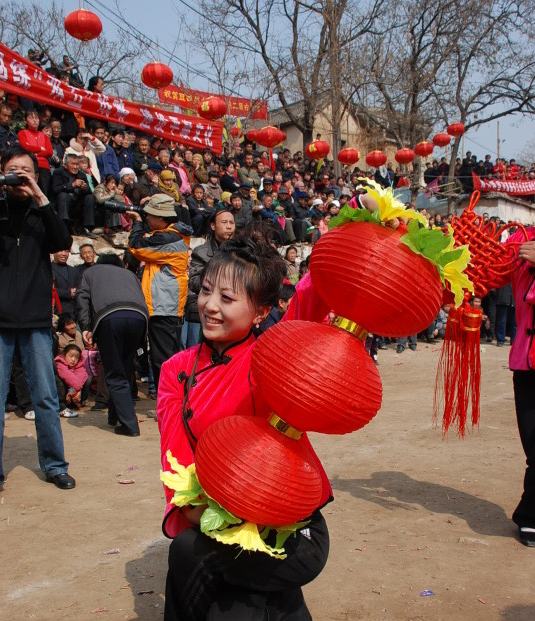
(74, 378)
(37, 143)
(220, 391)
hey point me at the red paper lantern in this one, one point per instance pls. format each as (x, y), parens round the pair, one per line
(270, 136)
(376, 159)
(404, 156)
(212, 108)
(235, 131)
(317, 150)
(455, 129)
(156, 75)
(350, 399)
(441, 140)
(367, 274)
(423, 149)
(348, 156)
(83, 25)
(252, 135)
(256, 472)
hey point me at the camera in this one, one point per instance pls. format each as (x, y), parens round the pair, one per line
(118, 207)
(11, 179)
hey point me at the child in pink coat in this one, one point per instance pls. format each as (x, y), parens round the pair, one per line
(71, 370)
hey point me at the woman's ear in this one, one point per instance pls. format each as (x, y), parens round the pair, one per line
(261, 314)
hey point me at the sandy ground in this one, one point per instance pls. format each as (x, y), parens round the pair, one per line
(412, 512)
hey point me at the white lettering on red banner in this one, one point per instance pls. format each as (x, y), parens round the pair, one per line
(3, 70)
(56, 90)
(20, 76)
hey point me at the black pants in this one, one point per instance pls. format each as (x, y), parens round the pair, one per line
(164, 341)
(212, 581)
(524, 384)
(22, 391)
(67, 204)
(118, 339)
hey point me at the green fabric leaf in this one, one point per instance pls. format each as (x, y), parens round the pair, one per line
(450, 256)
(216, 517)
(348, 214)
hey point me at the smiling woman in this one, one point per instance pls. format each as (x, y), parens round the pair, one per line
(208, 383)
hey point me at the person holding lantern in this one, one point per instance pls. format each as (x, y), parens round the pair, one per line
(207, 383)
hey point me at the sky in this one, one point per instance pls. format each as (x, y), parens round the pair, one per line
(160, 21)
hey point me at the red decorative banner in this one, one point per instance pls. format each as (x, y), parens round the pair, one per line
(514, 188)
(19, 76)
(190, 99)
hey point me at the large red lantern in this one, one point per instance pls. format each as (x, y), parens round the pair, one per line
(455, 129)
(368, 275)
(423, 149)
(404, 156)
(256, 472)
(318, 351)
(317, 150)
(156, 75)
(252, 135)
(270, 136)
(376, 159)
(83, 25)
(212, 108)
(441, 140)
(348, 156)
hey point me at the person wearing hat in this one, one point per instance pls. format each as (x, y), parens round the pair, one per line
(164, 250)
(148, 182)
(266, 187)
(246, 198)
(296, 216)
(225, 198)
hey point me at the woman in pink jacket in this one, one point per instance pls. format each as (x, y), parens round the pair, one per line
(522, 363)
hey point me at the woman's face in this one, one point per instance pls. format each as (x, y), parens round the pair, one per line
(226, 315)
(32, 121)
(168, 183)
(231, 169)
(111, 185)
(128, 179)
(291, 255)
(70, 329)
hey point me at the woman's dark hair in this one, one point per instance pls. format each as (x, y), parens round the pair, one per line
(110, 177)
(93, 81)
(109, 258)
(71, 347)
(63, 320)
(252, 264)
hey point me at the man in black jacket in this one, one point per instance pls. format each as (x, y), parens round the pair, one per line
(29, 231)
(65, 280)
(112, 312)
(72, 192)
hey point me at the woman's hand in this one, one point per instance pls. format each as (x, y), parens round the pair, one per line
(194, 514)
(527, 252)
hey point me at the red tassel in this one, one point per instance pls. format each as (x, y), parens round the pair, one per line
(459, 369)
(272, 161)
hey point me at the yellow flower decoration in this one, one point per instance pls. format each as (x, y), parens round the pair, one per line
(246, 536)
(453, 273)
(183, 481)
(389, 206)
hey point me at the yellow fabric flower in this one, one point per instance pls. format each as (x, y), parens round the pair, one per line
(453, 273)
(182, 480)
(245, 535)
(389, 206)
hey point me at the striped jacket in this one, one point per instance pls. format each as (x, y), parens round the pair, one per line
(165, 278)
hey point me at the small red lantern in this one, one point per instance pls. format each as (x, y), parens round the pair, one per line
(441, 140)
(256, 472)
(252, 135)
(270, 136)
(339, 407)
(367, 274)
(423, 149)
(212, 108)
(317, 150)
(83, 25)
(348, 156)
(156, 75)
(455, 129)
(235, 131)
(376, 159)
(404, 156)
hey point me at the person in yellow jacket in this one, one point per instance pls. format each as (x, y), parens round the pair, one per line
(164, 250)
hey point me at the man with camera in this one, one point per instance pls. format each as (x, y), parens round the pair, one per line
(30, 231)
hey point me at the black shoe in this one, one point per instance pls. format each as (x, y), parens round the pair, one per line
(527, 536)
(87, 233)
(99, 407)
(412, 347)
(153, 395)
(124, 431)
(112, 423)
(382, 346)
(400, 349)
(63, 481)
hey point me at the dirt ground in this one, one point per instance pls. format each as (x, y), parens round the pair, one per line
(412, 512)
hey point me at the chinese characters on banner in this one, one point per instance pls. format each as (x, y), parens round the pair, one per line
(190, 99)
(19, 76)
(514, 188)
